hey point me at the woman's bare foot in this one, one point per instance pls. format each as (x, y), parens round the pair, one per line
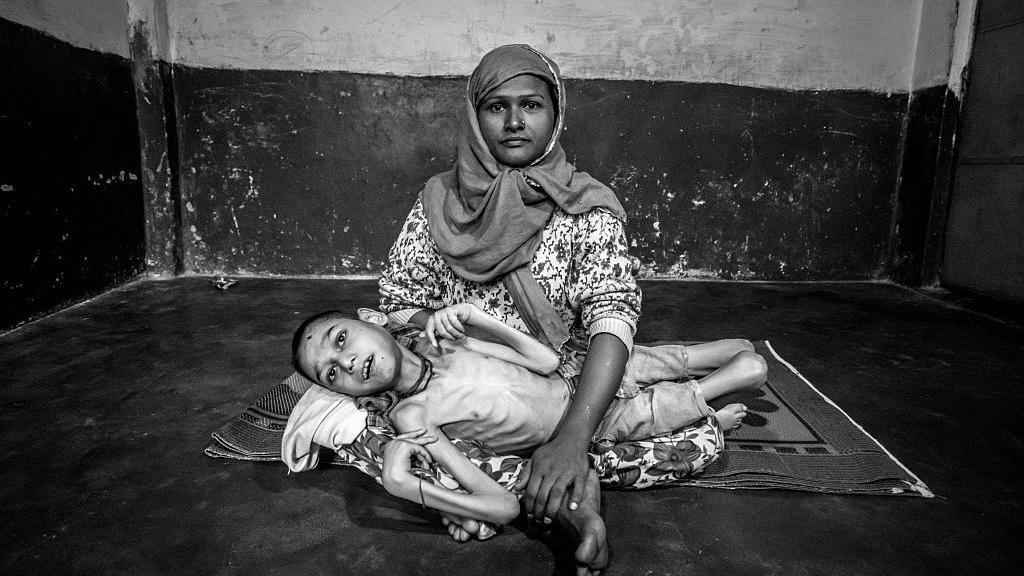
(731, 416)
(586, 527)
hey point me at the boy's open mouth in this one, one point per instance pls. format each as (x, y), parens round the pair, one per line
(367, 364)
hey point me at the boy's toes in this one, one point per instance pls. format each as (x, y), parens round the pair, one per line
(741, 413)
(457, 533)
(731, 416)
(471, 526)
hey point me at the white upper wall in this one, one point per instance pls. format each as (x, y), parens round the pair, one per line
(883, 45)
(934, 42)
(795, 44)
(96, 24)
(963, 43)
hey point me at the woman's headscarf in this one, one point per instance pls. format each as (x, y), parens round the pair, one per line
(486, 219)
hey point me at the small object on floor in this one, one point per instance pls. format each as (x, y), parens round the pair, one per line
(223, 283)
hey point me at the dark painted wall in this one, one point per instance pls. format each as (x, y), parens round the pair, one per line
(158, 141)
(985, 237)
(304, 173)
(745, 183)
(312, 173)
(926, 169)
(71, 222)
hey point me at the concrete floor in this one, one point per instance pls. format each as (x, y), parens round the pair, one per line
(106, 408)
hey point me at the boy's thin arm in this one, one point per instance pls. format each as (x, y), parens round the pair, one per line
(518, 348)
(420, 319)
(486, 499)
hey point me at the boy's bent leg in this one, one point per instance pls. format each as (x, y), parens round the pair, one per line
(744, 370)
(650, 364)
(707, 356)
(657, 410)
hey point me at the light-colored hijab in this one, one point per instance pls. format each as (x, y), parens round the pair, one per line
(486, 219)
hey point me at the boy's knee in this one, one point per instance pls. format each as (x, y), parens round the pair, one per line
(753, 364)
(740, 345)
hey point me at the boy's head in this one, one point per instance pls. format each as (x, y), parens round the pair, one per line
(349, 354)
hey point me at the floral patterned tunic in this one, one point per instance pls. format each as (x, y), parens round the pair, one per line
(582, 265)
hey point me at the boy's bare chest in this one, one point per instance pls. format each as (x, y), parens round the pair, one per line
(476, 397)
(471, 376)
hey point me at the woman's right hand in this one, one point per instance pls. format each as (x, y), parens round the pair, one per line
(449, 323)
(399, 457)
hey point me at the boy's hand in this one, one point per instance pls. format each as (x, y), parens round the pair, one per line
(401, 453)
(449, 323)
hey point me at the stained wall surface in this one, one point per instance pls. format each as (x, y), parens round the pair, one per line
(828, 44)
(748, 140)
(315, 172)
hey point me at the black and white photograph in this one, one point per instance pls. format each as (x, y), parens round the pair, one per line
(482, 287)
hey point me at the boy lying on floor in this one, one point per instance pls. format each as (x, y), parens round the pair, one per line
(503, 395)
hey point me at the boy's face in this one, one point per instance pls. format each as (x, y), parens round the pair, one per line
(516, 119)
(350, 356)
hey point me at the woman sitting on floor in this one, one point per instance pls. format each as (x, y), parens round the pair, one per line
(517, 231)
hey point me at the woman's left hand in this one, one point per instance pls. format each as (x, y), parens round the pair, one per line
(558, 469)
(557, 477)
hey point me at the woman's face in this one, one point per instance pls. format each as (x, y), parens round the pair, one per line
(516, 120)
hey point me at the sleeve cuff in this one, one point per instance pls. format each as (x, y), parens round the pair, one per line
(402, 316)
(619, 328)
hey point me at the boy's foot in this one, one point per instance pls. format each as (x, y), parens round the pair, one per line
(586, 527)
(458, 528)
(463, 529)
(731, 416)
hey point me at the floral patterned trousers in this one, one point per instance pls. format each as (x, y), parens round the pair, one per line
(628, 465)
